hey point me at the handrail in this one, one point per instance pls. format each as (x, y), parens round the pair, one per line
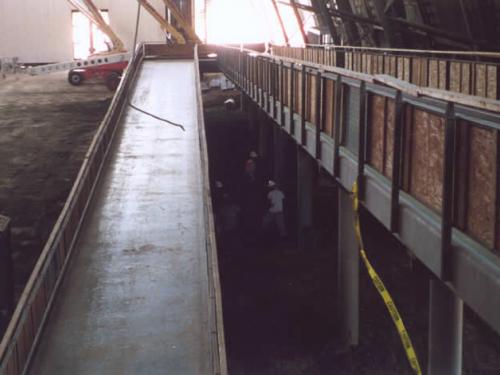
(456, 73)
(408, 88)
(27, 322)
(406, 50)
(220, 362)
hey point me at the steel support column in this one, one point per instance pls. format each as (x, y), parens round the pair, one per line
(348, 272)
(279, 155)
(264, 134)
(306, 180)
(324, 14)
(445, 331)
(392, 35)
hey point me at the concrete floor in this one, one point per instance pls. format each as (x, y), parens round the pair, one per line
(46, 126)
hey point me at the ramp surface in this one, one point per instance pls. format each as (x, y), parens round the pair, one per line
(134, 299)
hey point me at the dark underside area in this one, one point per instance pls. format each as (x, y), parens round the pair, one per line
(280, 311)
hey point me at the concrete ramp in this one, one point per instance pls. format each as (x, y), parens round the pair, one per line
(135, 295)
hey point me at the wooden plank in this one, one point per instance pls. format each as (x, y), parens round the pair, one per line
(329, 107)
(480, 80)
(376, 131)
(427, 158)
(468, 100)
(455, 76)
(389, 137)
(298, 91)
(492, 79)
(313, 89)
(465, 87)
(434, 73)
(481, 194)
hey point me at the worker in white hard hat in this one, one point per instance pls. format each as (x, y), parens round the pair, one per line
(274, 215)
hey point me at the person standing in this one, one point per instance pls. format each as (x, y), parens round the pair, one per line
(274, 215)
(251, 166)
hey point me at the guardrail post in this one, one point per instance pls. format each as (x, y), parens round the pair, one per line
(362, 141)
(282, 93)
(447, 193)
(445, 330)
(303, 105)
(397, 157)
(291, 104)
(6, 277)
(336, 126)
(320, 103)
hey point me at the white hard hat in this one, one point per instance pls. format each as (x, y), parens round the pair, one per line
(271, 183)
(253, 154)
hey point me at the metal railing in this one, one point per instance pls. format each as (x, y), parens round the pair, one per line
(437, 160)
(473, 73)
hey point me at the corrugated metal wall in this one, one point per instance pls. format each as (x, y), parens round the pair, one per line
(40, 31)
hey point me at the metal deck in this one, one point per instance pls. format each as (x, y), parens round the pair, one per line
(135, 295)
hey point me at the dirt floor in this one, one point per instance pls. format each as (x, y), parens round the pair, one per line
(279, 302)
(46, 126)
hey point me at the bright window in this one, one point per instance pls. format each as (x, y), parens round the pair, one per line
(87, 38)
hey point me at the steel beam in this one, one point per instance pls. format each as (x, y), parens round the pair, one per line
(280, 20)
(179, 38)
(409, 26)
(324, 14)
(392, 37)
(306, 181)
(299, 21)
(183, 21)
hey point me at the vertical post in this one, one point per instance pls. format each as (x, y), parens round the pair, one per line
(303, 112)
(445, 331)
(348, 272)
(326, 19)
(306, 178)
(337, 126)
(397, 158)
(362, 141)
(320, 102)
(448, 192)
(6, 278)
(291, 104)
(265, 135)
(279, 157)
(282, 93)
(274, 79)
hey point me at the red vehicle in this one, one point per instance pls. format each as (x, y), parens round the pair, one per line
(109, 73)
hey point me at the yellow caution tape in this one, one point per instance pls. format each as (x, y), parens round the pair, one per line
(377, 282)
